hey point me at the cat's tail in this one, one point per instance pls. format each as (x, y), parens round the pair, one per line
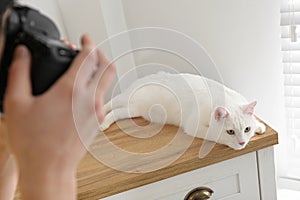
(117, 102)
(115, 110)
(115, 115)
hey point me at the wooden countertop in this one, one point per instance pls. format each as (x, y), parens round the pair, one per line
(95, 180)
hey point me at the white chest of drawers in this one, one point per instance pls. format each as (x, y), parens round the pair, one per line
(234, 179)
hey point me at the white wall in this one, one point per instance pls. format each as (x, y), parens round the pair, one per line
(81, 16)
(242, 36)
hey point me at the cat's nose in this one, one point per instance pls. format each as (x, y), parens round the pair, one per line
(241, 143)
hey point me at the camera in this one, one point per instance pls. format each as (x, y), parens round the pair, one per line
(50, 57)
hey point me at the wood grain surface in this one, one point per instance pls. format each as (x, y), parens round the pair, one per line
(143, 147)
(95, 180)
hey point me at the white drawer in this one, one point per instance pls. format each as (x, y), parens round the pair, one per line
(234, 179)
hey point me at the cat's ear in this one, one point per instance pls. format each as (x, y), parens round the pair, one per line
(221, 113)
(249, 109)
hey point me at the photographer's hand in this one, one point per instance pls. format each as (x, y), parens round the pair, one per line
(42, 133)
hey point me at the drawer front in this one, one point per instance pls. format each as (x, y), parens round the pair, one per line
(234, 179)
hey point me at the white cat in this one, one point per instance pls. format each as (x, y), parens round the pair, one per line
(191, 102)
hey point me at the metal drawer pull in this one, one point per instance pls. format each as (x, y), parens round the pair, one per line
(200, 193)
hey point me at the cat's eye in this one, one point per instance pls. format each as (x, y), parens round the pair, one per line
(230, 132)
(247, 129)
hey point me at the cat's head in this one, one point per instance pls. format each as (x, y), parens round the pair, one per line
(238, 125)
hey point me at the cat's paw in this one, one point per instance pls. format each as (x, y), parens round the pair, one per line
(260, 128)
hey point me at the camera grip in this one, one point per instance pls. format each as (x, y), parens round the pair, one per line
(46, 69)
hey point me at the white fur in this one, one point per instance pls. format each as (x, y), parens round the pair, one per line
(185, 100)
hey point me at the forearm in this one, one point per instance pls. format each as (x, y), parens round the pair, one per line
(8, 177)
(8, 168)
(48, 183)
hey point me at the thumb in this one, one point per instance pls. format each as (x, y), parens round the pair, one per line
(19, 84)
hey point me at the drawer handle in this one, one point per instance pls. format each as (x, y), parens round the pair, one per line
(200, 193)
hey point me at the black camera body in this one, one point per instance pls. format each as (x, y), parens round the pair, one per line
(50, 57)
